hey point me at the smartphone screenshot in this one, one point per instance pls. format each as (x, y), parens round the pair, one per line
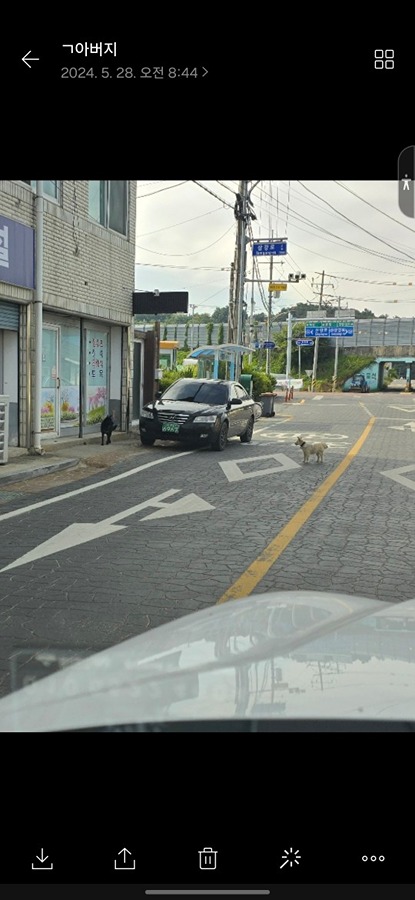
(207, 416)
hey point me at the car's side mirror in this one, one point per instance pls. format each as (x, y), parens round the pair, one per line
(158, 394)
(236, 401)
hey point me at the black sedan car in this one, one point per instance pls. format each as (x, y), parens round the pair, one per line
(199, 411)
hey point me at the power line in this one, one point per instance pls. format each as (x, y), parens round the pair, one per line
(183, 222)
(356, 224)
(226, 187)
(364, 281)
(225, 203)
(318, 228)
(375, 207)
(191, 268)
(193, 253)
(169, 188)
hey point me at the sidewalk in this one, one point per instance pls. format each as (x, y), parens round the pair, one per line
(66, 453)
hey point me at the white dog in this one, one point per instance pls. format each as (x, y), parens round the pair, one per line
(310, 449)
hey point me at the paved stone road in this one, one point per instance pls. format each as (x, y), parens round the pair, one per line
(93, 594)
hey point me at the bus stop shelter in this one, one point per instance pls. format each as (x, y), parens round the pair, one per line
(209, 357)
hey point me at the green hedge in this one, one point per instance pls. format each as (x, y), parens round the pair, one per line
(172, 375)
(261, 382)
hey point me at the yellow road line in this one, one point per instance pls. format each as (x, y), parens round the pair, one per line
(249, 579)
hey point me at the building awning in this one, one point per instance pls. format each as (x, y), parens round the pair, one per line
(213, 349)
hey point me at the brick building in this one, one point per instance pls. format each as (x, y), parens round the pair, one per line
(88, 281)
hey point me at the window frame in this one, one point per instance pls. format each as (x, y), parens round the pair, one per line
(107, 209)
(46, 196)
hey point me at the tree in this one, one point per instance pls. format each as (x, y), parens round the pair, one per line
(220, 333)
(209, 330)
(220, 314)
(365, 314)
(164, 338)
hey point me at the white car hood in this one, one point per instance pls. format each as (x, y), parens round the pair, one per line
(295, 655)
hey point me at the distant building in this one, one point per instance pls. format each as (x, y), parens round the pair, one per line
(88, 281)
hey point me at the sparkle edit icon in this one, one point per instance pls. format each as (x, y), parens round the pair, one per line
(290, 857)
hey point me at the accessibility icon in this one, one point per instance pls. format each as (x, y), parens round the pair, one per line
(406, 175)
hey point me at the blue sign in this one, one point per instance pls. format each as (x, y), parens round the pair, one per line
(17, 264)
(268, 345)
(328, 332)
(272, 249)
(303, 343)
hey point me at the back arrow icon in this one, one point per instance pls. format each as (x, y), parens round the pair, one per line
(26, 59)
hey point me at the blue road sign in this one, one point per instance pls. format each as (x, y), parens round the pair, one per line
(271, 249)
(303, 343)
(328, 332)
(268, 345)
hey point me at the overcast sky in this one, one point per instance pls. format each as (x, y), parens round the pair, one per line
(185, 240)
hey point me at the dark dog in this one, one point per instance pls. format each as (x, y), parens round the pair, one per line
(107, 427)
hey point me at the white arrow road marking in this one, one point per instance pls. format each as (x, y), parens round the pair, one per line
(233, 471)
(189, 504)
(318, 398)
(411, 425)
(403, 408)
(93, 487)
(80, 533)
(396, 475)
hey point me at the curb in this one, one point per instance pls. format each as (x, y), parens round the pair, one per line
(40, 470)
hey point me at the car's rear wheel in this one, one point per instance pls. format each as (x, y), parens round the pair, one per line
(147, 441)
(246, 437)
(222, 438)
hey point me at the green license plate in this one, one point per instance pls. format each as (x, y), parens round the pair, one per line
(172, 427)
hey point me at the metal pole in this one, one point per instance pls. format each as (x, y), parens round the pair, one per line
(289, 343)
(241, 208)
(336, 356)
(156, 384)
(35, 437)
(315, 355)
(251, 322)
(299, 361)
(193, 307)
(268, 352)
(336, 360)
(231, 312)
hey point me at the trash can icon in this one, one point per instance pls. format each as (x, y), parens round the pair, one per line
(207, 858)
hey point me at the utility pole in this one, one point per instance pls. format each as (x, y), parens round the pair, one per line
(251, 321)
(231, 312)
(243, 213)
(315, 355)
(316, 342)
(241, 216)
(289, 343)
(268, 352)
(336, 351)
